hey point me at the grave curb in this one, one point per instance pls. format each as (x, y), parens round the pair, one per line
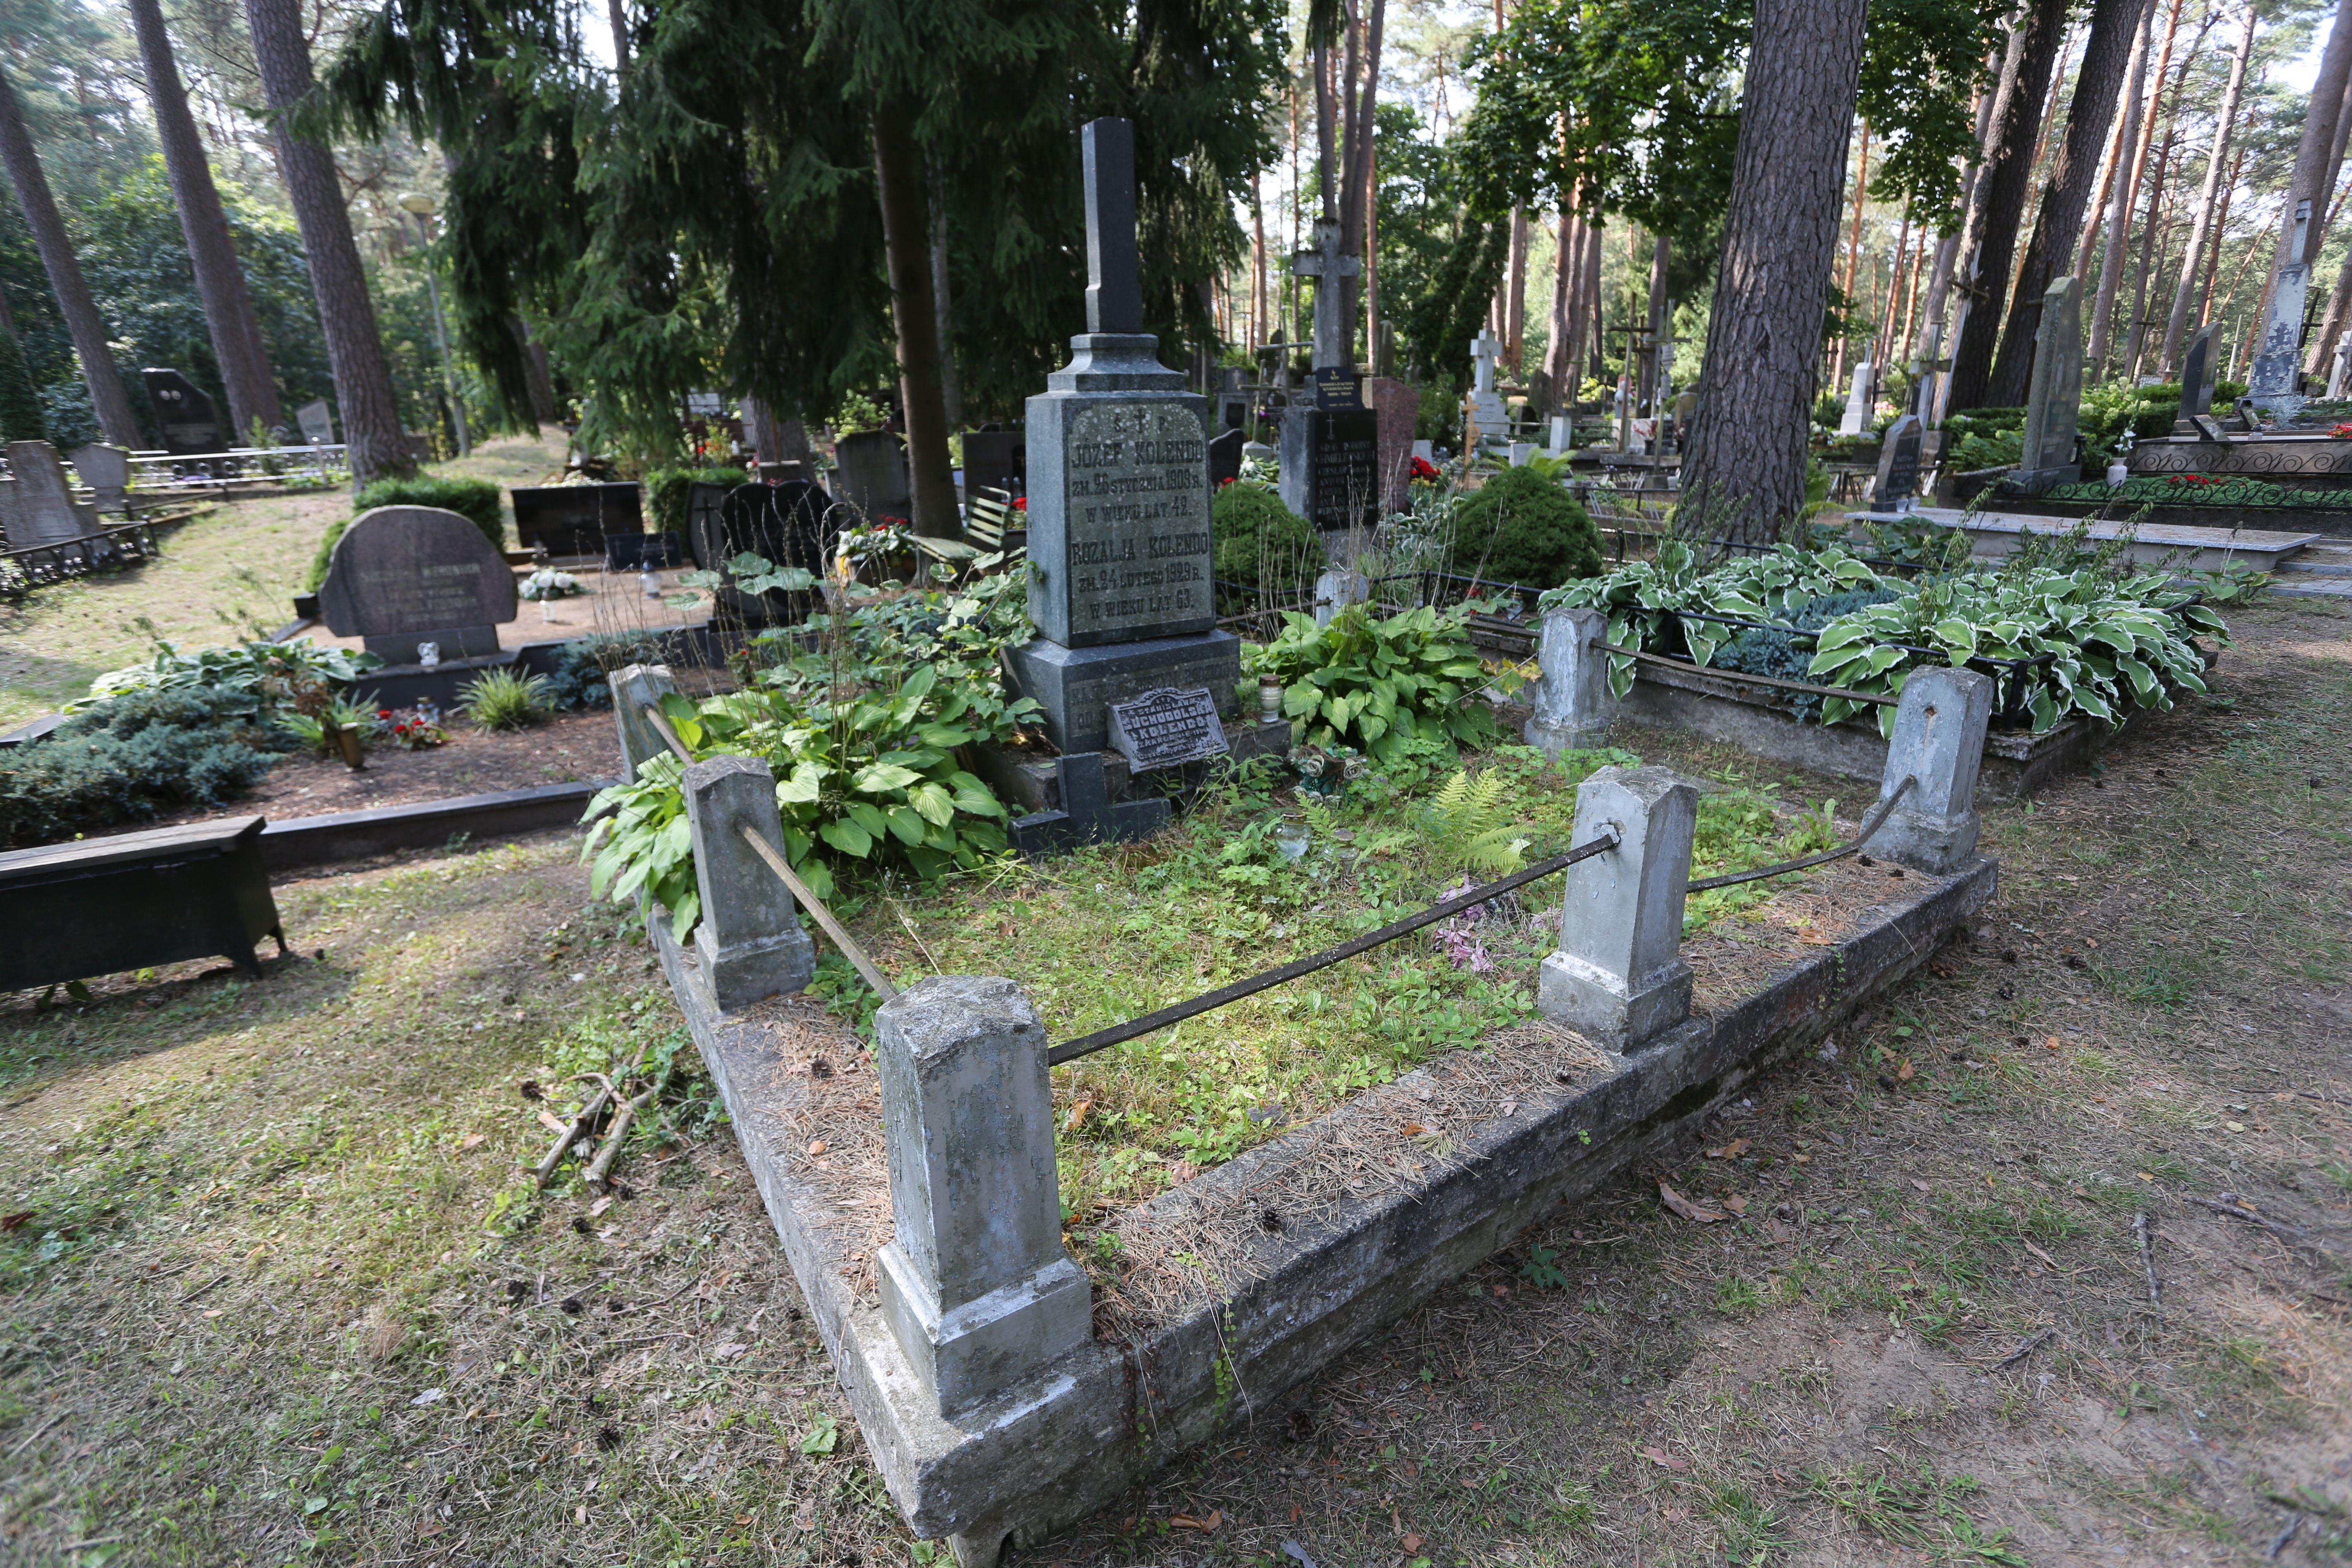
(304, 841)
(1103, 1419)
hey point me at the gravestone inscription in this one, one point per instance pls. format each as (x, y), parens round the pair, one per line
(1330, 467)
(1898, 465)
(404, 574)
(2274, 383)
(1166, 728)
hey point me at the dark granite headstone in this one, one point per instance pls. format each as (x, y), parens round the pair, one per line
(1224, 459)
(1397, 406)
(1330, 467)
(1119, 587)
(1088, 814)
(1898, 465)
(1338, 388)
(404, 574)
(190, 424)
(997, 460)
(872, 476)
(1166, 728)
(790, 524)
(574, 519)
(2196, 380)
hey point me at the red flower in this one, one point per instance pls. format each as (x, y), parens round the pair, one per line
(1229, 480)
(1019, 504)
(1422, 468)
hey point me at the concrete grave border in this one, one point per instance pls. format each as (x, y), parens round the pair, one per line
(1101, 1420)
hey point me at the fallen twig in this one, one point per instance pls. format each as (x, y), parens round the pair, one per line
(572, 1134)
(2322, 1098)
(26, 1443)
(599, 1172)
(2294, 1523)
(2027, 1349)
(199, 1290)
(2285, 1233)
(2146, 1233)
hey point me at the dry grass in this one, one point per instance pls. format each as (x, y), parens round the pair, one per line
(1818, 1383)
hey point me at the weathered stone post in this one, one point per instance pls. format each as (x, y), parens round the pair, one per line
(976, 1287)
(1938, 741)
(749, 944)
(634, 688)
(1336, 589)
(1574, 702)
(1619, 977)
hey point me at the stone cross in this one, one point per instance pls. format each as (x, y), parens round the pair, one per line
(1114, 274)
(1485, 350)
(2273, 381)
(1335, 345)
(1857, 401)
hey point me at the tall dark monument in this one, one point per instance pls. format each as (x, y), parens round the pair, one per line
(1120, 586)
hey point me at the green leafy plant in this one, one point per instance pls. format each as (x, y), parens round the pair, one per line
(505, 699)
(259, 674)
(478, 500)
(1381, 683)
(1522, 526)
(640, 842)
(1470, 826)
(317, 729)
(1261, 543)
(1639, 596)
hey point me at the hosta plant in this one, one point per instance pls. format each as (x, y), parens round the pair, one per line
(2112, 643)
(1381, 683)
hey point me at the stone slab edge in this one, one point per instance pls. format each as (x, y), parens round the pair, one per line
(1103, 1419)
(355, 835)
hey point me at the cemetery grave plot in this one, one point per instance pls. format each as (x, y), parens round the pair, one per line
(1107, 935)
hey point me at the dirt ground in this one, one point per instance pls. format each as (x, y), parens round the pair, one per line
(564, 749)
(271, 1289)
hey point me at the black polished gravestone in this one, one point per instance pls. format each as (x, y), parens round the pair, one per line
(792, 524)
(401, 575)
(1898, 465)
(1226, 459)
(1120, 586)
(574, 520)
(2196, 382)
(1330, 467)
(995, 460)
(1167, 728)
(191, 425)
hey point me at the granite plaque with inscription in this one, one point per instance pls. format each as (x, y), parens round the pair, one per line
(405, 574)
(1119, 525)
(1330, 467)
(1166, 728)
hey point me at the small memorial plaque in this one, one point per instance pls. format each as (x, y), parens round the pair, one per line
(1166, 728)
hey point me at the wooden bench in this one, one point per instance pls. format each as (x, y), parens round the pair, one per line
(133, 901)
(988, 516)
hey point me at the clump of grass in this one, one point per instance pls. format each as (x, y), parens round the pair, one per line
(504, 700)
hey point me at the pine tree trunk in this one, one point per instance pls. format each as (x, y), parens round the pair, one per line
(2004, 186)
(905, 242)
(2050, 254)
(1744, 472)
(1560, 354)
(220, 281)
(2319, 147)
(538, 384)
(370, 412)
(1992, 110)
(2130, 162)
(950, 387)
(2200, 228)
(107, 397)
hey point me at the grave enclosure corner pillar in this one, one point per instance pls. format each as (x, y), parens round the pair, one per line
(1938, 744)
(635, 688)
(749, 944)
(1619, 978)
(1573, 703)
(975, 1285)
(1336, 589)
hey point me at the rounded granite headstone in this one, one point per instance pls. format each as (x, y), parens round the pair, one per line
(408, 569)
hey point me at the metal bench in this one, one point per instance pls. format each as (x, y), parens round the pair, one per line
(988, 516)
(132, 900)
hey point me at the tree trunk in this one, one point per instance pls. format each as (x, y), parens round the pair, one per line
(1853, 262)
(2200, 228)
(905, 242)
(1993, 111)
(2106, 59)
(951, 384)
(1595, 255)
(1359, 192)
(1661, 253)
(1559, 355)
(107, 397)
(2130, 162)
(537, 382)
(372, 432)
(2317, 149)
(220, 281)
(1928, 346)
(2009, 173)
(1743, 473)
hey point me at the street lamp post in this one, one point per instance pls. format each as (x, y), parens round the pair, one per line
(423, 206)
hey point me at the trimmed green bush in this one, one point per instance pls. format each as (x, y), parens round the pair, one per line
(1521, 527)
(478, 500)
(1260, 540)
(137, 757)
(666, 490)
